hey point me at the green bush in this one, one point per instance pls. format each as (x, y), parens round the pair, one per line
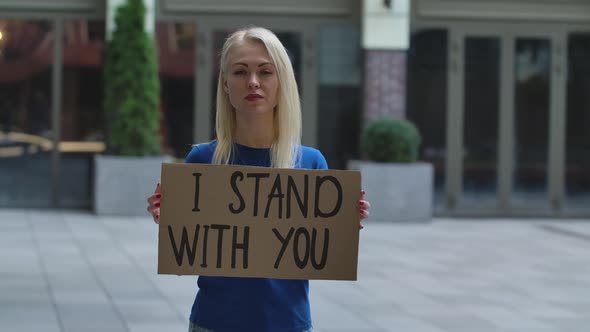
(132, 87)
(391, 140)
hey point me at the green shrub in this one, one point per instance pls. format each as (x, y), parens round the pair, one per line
(132, 87)
(391, 140)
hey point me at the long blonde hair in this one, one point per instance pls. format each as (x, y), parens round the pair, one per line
(285, 149)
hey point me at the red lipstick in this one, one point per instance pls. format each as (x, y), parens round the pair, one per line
(253, 97)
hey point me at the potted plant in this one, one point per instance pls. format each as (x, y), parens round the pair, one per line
(131, 167)
(397, 185)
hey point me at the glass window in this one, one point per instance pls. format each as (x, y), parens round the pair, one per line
(481, 113)
(26, 57)
(531, 120)
(340, 94)
(577, 168)
(82, 112)
(82, 115)
(427, 100)
(176, 54)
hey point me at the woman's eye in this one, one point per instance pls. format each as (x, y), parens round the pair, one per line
(239, 72)
(266, 72)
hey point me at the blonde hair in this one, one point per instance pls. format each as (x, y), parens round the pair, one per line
(285, 149)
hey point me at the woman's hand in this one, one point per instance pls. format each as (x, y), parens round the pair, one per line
(364, 207)
(154, 204)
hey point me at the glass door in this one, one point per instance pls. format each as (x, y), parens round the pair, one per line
(577, 158)
(26, 126)
(481, 110)
(505, 122)
(532, 57)
(176, 42)
(474, 118)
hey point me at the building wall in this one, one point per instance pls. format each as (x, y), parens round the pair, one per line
(385, 84)
(51, 8)
(316, 8)
(258, 7)
(522, 10)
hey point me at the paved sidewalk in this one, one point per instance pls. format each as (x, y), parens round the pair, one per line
(70, 271)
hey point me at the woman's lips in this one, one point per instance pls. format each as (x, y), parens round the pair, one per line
(253, 97)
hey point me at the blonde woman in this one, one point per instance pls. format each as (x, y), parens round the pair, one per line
(258, 124)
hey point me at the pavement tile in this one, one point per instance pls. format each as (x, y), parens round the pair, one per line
(158, 326)
(74, 271)
(41, 312)
(28, 326)
(401, 323)
(579, 324)
(82, 297)
(94, 326)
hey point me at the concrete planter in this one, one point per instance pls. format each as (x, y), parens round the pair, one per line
(122, 184)
(397, 192)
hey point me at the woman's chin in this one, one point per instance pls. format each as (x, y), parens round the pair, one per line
(256, 110)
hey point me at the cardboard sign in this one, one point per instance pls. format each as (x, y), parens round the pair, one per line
(224, 220)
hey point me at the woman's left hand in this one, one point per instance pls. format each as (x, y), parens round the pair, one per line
(364, 207)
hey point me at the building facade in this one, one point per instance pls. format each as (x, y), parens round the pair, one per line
(510, 81)
(498, 89)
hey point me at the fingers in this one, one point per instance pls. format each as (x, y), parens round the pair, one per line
(156, 195)
(154, 208)
(154, 202)
(363, 214)
(154, 198)
(365, 205)
(155, 212)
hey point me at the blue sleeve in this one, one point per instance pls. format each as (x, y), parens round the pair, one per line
(312, 158)
(321, 162)
(199, 154)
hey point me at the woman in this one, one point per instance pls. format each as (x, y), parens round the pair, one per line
(258, 123)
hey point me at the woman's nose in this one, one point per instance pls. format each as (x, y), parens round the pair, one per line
(253, 82)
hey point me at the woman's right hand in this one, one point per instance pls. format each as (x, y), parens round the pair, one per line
(154, 204)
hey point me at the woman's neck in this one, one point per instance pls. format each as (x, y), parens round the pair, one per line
(254, 131)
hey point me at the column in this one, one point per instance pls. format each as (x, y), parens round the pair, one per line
(385, 40)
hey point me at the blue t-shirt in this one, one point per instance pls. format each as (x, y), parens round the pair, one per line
(229, 304)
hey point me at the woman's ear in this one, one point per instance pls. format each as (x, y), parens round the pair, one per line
(225, 86)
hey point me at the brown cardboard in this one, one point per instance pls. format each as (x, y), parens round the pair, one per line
(207, 212)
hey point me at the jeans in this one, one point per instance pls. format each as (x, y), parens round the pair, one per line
(195, 328)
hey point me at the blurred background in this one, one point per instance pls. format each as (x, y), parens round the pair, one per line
(498, 91)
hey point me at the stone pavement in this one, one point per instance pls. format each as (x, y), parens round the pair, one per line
(73, 271)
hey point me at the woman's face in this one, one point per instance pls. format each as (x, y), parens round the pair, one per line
(251, 80)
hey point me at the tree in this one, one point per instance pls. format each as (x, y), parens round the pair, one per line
(132, 87)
